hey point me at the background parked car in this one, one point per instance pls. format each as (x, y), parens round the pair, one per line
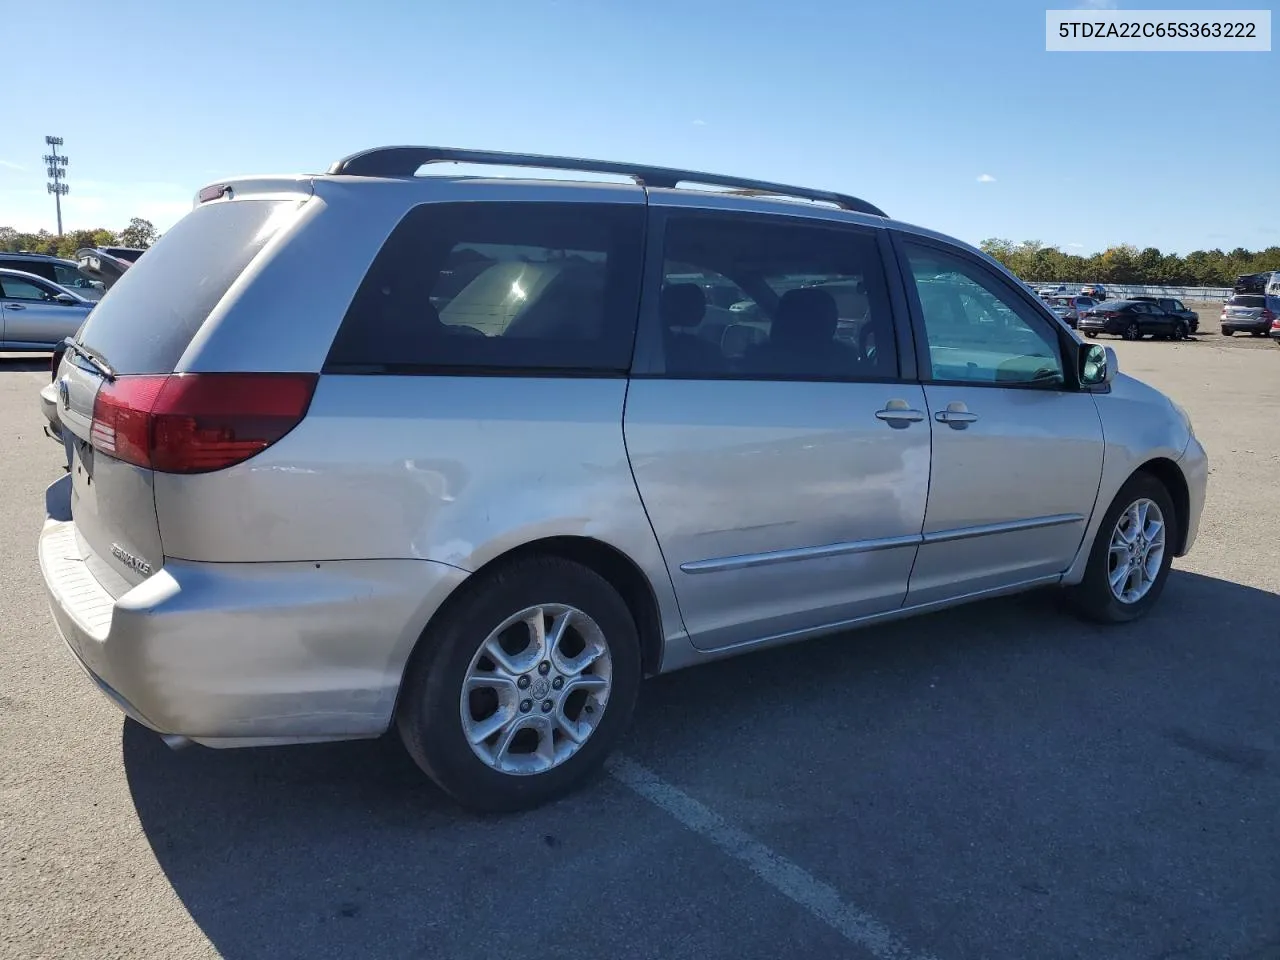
(35, 314)
(1046, 292)
(1254, 282)
(65, 273)
(1132, 320)
(1247, 313)
(1068, 308)
(1175, 307)
(1094, 290)
(107, 264)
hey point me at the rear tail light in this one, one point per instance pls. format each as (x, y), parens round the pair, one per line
(197, 422)
(1268, 316)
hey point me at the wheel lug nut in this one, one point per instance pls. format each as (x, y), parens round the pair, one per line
(557, 683)
(546, 706)
(523, 683)
(526, 706)
(544, 667)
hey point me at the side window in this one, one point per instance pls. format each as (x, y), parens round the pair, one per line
(978, 331)
(69, 277)
(499, 286)
(1177, 305)
(757, 298)
(15, 289)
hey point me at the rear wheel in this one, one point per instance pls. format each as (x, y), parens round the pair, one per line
(524, 686)
(1227, 331)
(1092, 335)
(1131, 554)
(1132, 331)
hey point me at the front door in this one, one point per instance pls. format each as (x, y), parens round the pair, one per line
(782, 460)
(1017, 450)
(31, 316)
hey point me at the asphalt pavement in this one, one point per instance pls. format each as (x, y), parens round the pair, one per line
(1001, 781)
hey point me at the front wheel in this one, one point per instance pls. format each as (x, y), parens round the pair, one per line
(1227, 332)
(522, 689)
(1091, 335)
(1131, 554)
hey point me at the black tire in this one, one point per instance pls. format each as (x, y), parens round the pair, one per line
(1092, 597)
(1227, 331)
(428, 715)
(1132, 331)
(1258, 333)
(1091, 334)
(1180, 331)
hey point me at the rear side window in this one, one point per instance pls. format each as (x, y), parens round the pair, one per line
(147, 320)
(499, 287)
(1247, 300)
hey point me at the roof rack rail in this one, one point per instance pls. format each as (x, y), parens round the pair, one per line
(405, 162)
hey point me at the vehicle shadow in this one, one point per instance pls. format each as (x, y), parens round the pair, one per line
(347, 850)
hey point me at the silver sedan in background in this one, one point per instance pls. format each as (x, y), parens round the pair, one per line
(36, 314)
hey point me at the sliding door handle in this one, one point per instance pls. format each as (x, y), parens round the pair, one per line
(898, 414)
(956, 416)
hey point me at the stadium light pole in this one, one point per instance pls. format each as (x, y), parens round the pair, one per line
(57, 170)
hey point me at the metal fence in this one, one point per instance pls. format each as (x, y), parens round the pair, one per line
(1121, 290)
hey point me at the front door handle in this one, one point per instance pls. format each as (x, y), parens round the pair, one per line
(14, 306)
(899, 415)
(956, 416)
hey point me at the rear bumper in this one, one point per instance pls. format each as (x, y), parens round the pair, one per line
(243, 654)
(1244, 325)
(1099, 326)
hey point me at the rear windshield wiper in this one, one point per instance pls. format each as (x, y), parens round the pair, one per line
(94, 359)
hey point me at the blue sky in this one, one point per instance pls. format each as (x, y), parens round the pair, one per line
(911, 105)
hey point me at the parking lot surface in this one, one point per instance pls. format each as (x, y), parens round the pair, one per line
(1001, 781)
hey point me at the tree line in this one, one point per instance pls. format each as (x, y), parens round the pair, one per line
(1033, 260)
(139, 233)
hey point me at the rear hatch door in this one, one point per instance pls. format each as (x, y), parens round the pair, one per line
(133, 340)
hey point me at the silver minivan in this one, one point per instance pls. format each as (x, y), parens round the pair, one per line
(473, 456)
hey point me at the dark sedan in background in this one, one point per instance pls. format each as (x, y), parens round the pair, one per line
(1132, 320)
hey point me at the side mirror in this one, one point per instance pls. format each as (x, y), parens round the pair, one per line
(1098, 364)
(65, 300)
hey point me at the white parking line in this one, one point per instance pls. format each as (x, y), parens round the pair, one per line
(820, 899)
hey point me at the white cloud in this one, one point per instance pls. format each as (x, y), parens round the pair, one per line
(699, 123)
(12, 166)
(986, 178)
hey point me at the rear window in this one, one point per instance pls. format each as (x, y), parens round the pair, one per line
(1247, 300)
(498, 287)
(149, 317)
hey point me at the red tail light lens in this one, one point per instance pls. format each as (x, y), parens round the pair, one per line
(200, 422)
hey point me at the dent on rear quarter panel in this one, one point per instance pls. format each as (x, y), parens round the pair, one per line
(451, 469)
(1138, 425)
